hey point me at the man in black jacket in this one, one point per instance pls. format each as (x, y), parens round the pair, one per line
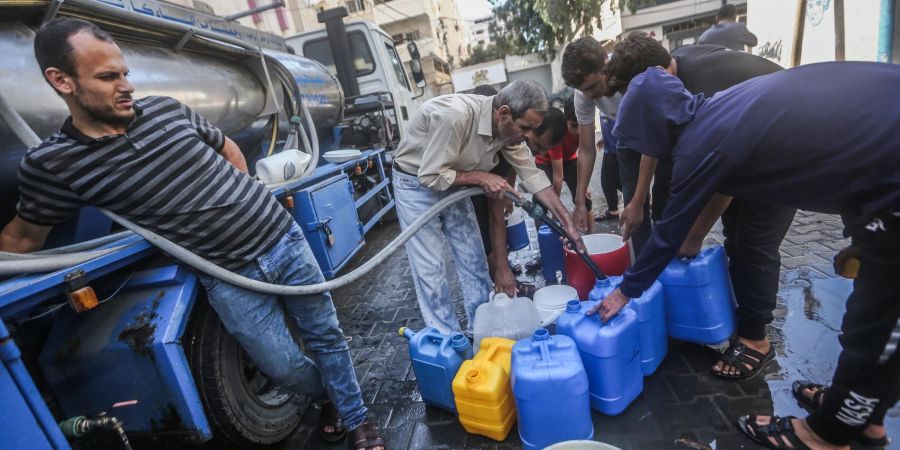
(753, 229)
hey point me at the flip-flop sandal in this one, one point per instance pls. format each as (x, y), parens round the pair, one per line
(516, 269)
(365, 437)
(797, 389)
(330, 417)
(525, 289)
(779, 429)
(818, 391)
(740, 357)
(533, 265)
(606, 215)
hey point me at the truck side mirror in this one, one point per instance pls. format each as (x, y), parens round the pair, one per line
(415, 65)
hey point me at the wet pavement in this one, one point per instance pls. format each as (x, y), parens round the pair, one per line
(682, 405)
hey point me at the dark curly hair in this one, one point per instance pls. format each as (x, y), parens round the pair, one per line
(555, 124)
(584, 56)
(631, 56)
(569, 109)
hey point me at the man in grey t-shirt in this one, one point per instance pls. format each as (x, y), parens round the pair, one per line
(728, 32)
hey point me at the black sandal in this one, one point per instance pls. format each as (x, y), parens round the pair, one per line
(525, 289)
(818, 390)
(779, 428)
(366, 437)
(330, 417)
(747, 361)
(606, 215)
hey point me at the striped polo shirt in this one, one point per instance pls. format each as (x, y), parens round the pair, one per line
(165, 174)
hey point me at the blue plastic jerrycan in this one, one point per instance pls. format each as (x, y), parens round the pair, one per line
(651, 315)
(516, 231)
(552, 257)
(435, 359)
(699, 298)
(551, 391)
(610, 352)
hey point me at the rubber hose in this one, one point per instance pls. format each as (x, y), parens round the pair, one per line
(200, 264)
(314, 145)
(36, 264)
(18, 125)
(86, 245)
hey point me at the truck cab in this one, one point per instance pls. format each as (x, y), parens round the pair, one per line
(378, 71)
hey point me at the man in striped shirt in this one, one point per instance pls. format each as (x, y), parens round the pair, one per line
(164, 167)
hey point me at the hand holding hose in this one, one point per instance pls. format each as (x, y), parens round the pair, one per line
(495, 186)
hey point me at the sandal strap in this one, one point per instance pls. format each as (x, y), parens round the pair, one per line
(780, 430)
(366, 436)
(817, 389)
(740, 357)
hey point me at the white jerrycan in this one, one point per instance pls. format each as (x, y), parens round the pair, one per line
(511, 318)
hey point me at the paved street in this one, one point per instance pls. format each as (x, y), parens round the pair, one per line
(682, 405)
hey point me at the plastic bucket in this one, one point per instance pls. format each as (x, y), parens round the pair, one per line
(581, 445)
(608, 251)
(550, 302)
(516, 231)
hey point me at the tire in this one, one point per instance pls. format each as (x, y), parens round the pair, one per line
(557, 103)
(245, 409)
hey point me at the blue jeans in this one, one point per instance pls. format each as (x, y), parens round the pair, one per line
(457, 226)
(260, 323)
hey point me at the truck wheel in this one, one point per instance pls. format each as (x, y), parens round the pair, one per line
(244, 407)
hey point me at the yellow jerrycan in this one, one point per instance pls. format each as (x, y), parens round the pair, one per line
(483, 393)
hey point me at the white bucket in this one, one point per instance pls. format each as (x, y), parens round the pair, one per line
(602, 243)
(550, 301)
(283, 166)
(581, 445)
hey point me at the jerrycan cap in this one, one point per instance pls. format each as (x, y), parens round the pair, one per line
(541, 334)
(501, 299)
(459, 341)
(573, 306)
(601, 283)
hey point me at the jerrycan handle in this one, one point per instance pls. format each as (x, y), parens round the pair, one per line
(541, 337)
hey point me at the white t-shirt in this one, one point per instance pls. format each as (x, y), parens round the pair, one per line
(585, 107)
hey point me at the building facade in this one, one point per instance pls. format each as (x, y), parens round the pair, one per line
(436, 28)
(675, 22)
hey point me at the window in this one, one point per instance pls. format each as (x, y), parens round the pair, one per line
(398, 66)
(320, 50)
(356, 6)
(639, 4)
(412, 36)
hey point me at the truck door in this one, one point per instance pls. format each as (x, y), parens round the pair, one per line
(403, 95)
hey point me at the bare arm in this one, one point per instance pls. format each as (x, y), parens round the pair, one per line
(232, 153)
(708, 217)
(587, 154)
(494, 185)
(504, 280)
(20, 236)
(557, 180)
(633, 214)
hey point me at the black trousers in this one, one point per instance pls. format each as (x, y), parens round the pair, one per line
(570, 177)
(866, 382)
(753, 232)
(659, 193)
(610, 181)
(629, 168)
